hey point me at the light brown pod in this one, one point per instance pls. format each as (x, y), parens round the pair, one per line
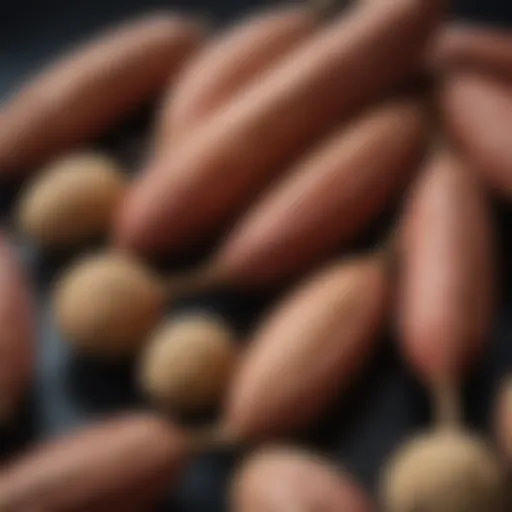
(503, 418)
(444, 471)
(120, 461)
(106, 304)
(447, 282)
(18, 332)
(228, 63)
(309, 349)
(283, 479)
(191, 191)
(461, 46)
(72, 201)
(88, 91)
(477, 115)
(328, 198)
(188, 362)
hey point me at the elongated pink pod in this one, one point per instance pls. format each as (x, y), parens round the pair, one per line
(283, 479)
(193, 190)
(477, 115)
(121, 462)
(227, 64)
(88, 91)
(309, 349)
(327, 199)
(447, 285)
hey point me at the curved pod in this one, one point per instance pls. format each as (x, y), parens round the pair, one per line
(227, 64)
(87, 92)
(193, 190)
(330, 196)
(132, 457)
(308, 350)
(477, 115)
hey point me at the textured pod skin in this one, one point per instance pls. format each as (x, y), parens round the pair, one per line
(327, 199)
(193, 190)
(85, 93)
(308, 350)
(106, 304)
(188, 362)
(466, 47)
(18, 332)
(227, 64)
(477, 115)
(72, 201)
(447, 285)
(283, 479)
(444, 471)
(129, 458)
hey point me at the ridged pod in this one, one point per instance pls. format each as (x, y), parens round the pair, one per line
(191, 191)
(309, 349)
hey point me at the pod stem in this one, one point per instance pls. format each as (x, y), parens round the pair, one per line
(197, 281)
(211, 437)
(446, 401)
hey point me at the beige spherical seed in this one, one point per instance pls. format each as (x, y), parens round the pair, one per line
(107, 304)
(444, 471)
(72, 201)
(188, 363)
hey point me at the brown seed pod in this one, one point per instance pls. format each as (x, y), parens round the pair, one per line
(120, 462)
(284, 479)
(309, 350)
(72, 201)
(18, 332)
(444, 471)
(107, 304)
(88, 91)
(188, 362)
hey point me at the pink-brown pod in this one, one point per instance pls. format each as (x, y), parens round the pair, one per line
(308, 350)
(191, 191)
(17, 335)
(447, 284)
(328, 198)
(503, 418)
(281, 479)
(85, 93)
(125, 460)
(461, 46)
(477, 113)
(228, 63)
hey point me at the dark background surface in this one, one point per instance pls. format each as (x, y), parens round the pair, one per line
(384, 407)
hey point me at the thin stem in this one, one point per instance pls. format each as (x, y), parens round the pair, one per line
(446, 403)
